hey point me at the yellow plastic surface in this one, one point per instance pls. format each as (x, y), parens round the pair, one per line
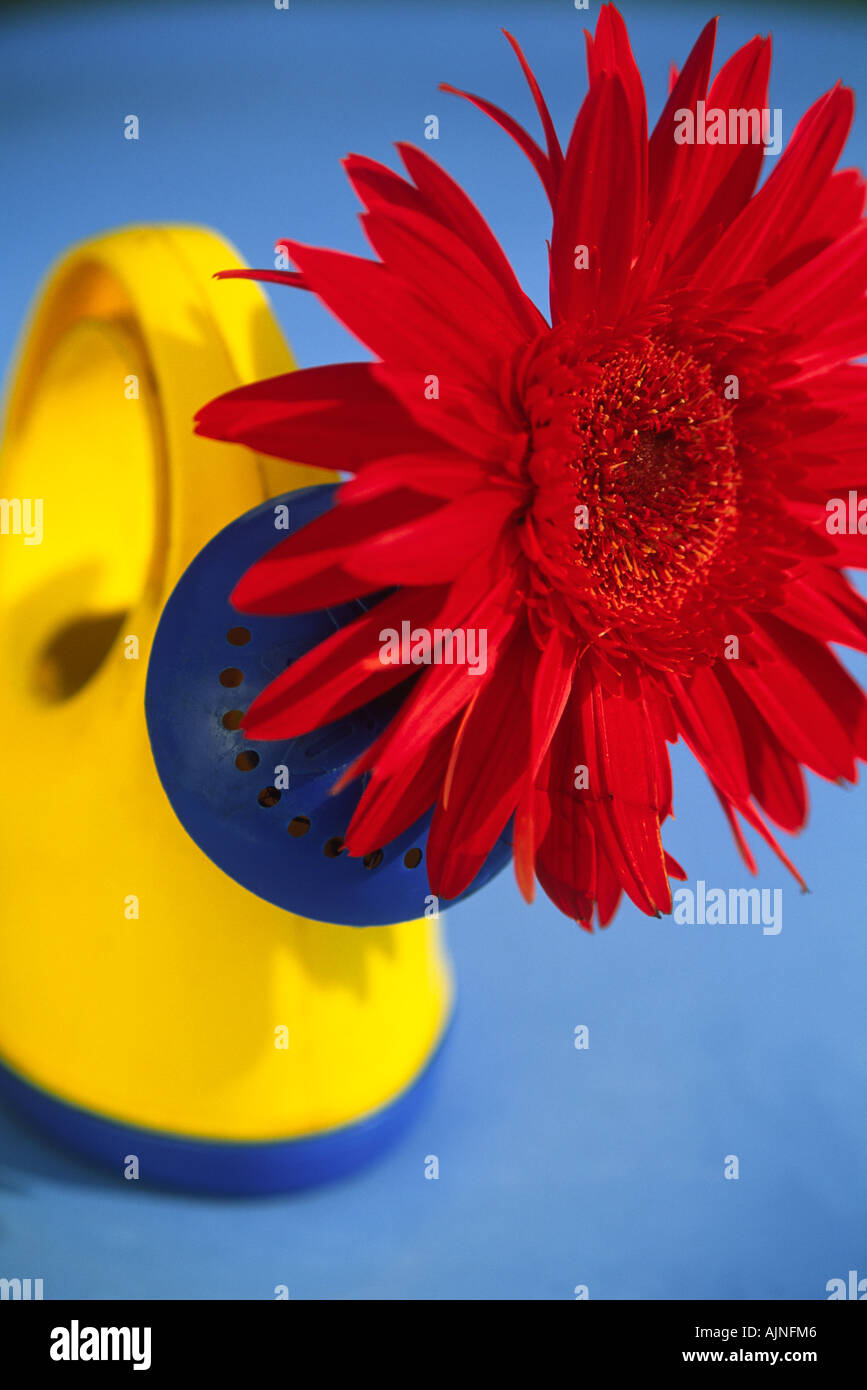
(169, 1019)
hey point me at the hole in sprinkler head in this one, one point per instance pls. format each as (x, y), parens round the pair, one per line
(412, 858)
(269, 796)
(246, 761)
(373, 861)
(232, 719)
(238, 636)
(231, 676)
(333, 847)
(74, 654)
(298, 826)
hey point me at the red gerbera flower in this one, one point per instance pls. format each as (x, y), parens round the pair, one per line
(630, 500)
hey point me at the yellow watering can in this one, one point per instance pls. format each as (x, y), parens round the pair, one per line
(154, 1013)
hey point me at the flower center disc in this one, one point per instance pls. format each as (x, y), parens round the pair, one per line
(636, 482)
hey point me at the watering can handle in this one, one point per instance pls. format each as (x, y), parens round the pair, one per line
(132, 335)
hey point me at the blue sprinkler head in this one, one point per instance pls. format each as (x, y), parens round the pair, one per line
(264, 811)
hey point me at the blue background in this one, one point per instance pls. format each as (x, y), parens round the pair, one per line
(558, 1167)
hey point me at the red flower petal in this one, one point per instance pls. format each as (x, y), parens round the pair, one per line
(332, 417)
(342, 673)
(598, 205)
(768, 227)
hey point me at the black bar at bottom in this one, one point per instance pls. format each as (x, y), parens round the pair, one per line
(203, 1338)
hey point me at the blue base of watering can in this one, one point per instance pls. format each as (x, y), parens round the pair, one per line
(222, 1168)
